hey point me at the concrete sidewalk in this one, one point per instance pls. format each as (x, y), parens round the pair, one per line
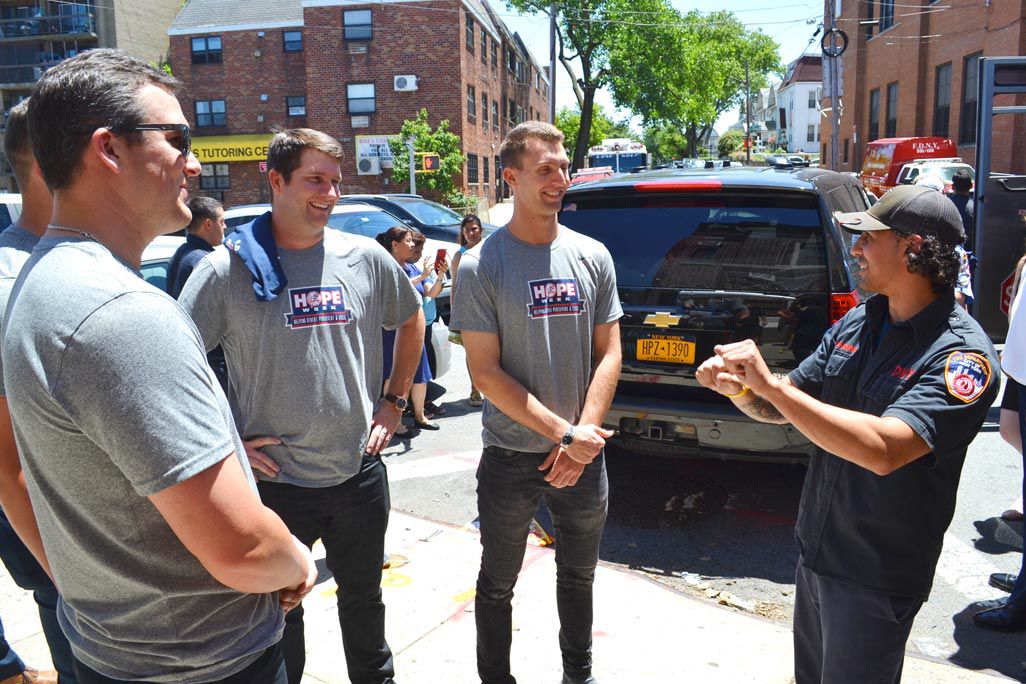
(644, 631)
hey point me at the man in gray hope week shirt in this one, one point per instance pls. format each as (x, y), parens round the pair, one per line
(298, 310)
(166, 560)
(538, 308)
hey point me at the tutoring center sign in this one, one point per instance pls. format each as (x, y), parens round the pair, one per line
(369, 146)
(231, 148)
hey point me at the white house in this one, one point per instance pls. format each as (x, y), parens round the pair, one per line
(798, 99)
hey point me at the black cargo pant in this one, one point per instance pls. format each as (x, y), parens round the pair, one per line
(350, 519)
(847, 634)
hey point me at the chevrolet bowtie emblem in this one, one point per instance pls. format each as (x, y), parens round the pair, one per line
(662, 319)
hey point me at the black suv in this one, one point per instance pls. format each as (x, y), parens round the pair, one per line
(709, 257)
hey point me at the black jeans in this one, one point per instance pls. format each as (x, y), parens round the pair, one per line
(29, 575)
(847, 634)
(269, 668)
(351, 519)
(509, 489)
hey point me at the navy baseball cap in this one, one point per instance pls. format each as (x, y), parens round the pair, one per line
(909, 209)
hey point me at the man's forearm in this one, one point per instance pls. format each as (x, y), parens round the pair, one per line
(602, 388)
(877, 444)
(759, 408)
(14, 497)
(409, 340)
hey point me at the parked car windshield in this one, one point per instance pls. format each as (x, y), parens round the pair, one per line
(722, 242)
(429, 213)
(367, 222)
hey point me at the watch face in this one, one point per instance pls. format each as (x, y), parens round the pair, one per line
(400, 403)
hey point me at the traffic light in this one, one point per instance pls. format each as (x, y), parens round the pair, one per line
(429, 163)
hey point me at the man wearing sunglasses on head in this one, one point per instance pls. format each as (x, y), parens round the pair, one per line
(170, 569)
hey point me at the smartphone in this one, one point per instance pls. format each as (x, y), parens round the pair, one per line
(440, 257)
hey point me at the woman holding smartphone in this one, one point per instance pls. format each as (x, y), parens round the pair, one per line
(399, 242)
(471, 234)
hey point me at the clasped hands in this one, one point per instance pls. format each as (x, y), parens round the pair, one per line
(734, 367)
(565, 464)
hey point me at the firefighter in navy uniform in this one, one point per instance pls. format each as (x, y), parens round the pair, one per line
(892, 398)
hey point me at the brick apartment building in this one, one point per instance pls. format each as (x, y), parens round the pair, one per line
(36, 34)
(911, 69)
(355, 71)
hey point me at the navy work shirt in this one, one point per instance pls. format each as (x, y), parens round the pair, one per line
(188, 254)
(937, 372)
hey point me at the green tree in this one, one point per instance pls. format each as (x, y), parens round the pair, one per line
(730, 142)
(585, 30)
(568, 120)
(440, 185)
(687, 70)
(665, 142)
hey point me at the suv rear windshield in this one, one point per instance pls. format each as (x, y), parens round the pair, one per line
(771, 244)
(429, 213)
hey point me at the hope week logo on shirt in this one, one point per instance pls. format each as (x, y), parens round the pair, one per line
(318, 305)
(555, 297)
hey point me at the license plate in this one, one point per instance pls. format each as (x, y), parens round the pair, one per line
(666, 349)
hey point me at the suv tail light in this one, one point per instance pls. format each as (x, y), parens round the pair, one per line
(697, 185)
(841, 303)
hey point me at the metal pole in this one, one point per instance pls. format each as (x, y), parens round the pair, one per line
(552, 62)
(835, 93)
(413, 166)
(748, 117)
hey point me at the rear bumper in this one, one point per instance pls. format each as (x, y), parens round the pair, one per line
(696, 429)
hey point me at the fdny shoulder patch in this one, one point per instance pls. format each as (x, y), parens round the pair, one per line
(555, 297)
(318, 305)
(967, 375)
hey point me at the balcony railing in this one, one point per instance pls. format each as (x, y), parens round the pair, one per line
(49, 26)
(27, 74)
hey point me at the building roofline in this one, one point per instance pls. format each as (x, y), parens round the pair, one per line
(226, 28)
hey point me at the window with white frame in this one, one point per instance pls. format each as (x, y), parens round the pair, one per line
(356, 25)
(361, 98)
(296, 105)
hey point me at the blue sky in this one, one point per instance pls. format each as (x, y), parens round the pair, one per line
(787, 22)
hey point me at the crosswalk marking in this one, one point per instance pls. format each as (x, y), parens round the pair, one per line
(442, 464)
(966, 570)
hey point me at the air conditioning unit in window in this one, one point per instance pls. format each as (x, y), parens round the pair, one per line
(405, 84)
(368, 166)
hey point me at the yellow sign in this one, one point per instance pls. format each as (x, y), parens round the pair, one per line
(231, 148)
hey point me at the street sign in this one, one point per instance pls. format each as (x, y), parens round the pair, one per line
(1007, 293)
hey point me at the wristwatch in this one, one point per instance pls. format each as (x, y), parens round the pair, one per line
(398, 403)
(568, 437)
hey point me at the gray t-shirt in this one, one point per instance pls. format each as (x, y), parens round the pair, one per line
(543, 301)
(112, 401)
(306, 366)
(16, 245)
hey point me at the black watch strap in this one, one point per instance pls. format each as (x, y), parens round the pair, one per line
(397, 402)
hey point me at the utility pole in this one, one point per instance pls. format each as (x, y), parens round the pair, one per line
(413, 166)
(835, 93)
(748, 116)
(552, 63)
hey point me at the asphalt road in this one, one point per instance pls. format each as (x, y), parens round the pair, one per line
(723, 530)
